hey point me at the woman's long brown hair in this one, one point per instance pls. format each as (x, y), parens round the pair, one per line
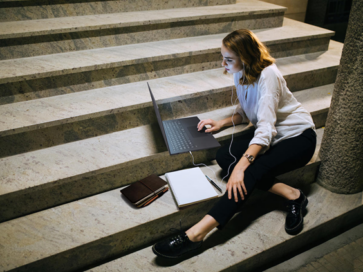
(251, 52)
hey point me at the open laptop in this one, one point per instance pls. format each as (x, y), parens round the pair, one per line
(181, 135)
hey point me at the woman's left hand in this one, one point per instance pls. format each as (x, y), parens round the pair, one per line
(236, 184)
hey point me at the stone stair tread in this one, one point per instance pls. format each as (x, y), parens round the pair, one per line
(13, 70)
(77, 223)
(316, 100)
(230, 247)
(20, 29)
(45, 112)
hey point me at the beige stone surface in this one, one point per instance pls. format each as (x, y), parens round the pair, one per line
(115, 20)
(75, 62)
(316, 100)
(317, 60)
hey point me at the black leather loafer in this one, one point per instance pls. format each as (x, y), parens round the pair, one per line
(295, 217)
(176, 246)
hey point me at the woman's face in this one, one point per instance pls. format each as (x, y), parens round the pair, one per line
(230, 62)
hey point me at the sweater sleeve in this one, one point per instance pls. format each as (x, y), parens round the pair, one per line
(269, 88)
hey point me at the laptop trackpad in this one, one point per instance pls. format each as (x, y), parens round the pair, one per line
(195, 133)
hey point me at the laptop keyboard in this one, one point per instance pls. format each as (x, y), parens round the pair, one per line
(177, 138)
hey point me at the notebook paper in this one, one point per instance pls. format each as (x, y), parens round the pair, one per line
(190, 186)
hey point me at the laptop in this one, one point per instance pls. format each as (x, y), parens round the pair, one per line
(181, 135)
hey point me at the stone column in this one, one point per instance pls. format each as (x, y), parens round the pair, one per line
(341, 152)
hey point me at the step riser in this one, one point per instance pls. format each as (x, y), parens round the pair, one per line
(62, 191)
(298, 47)
(320, 118)
(74, 81)
(301, 177)
(75, 41)
(127, 241)
(39, 9)
(311, 79)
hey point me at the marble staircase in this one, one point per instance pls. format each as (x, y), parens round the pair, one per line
(23, 193)
(77, 124)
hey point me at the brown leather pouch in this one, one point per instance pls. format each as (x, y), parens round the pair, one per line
(144, 189)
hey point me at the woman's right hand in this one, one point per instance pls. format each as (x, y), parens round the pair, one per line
(215, 125)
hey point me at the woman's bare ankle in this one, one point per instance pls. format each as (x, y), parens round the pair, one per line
(202, 228)
(295, 194)
(195, 236)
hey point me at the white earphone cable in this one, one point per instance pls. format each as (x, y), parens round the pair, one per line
(230, 145)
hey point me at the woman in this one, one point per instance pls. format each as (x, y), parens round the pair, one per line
(284, 140)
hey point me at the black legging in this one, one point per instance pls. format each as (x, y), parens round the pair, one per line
(283, 157)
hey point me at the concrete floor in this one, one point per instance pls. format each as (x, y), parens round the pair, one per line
(343, 253)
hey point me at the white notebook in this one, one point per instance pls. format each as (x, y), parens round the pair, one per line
(190, 186)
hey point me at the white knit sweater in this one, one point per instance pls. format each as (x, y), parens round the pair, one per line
(271, 108)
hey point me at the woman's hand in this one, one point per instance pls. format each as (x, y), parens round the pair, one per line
(236, 184)
(215, 125)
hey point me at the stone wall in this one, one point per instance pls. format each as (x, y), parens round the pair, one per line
(296, 10)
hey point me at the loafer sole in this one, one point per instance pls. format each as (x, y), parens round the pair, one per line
(176, 256)
(162, 255)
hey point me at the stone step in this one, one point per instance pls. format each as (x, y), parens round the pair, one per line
(94, 229)
(49, 36)
(41, 123)
(44, 178)
(49, 75)
(255, 237)
(20, 10)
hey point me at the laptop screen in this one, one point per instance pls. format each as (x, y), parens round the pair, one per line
(156, 108)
